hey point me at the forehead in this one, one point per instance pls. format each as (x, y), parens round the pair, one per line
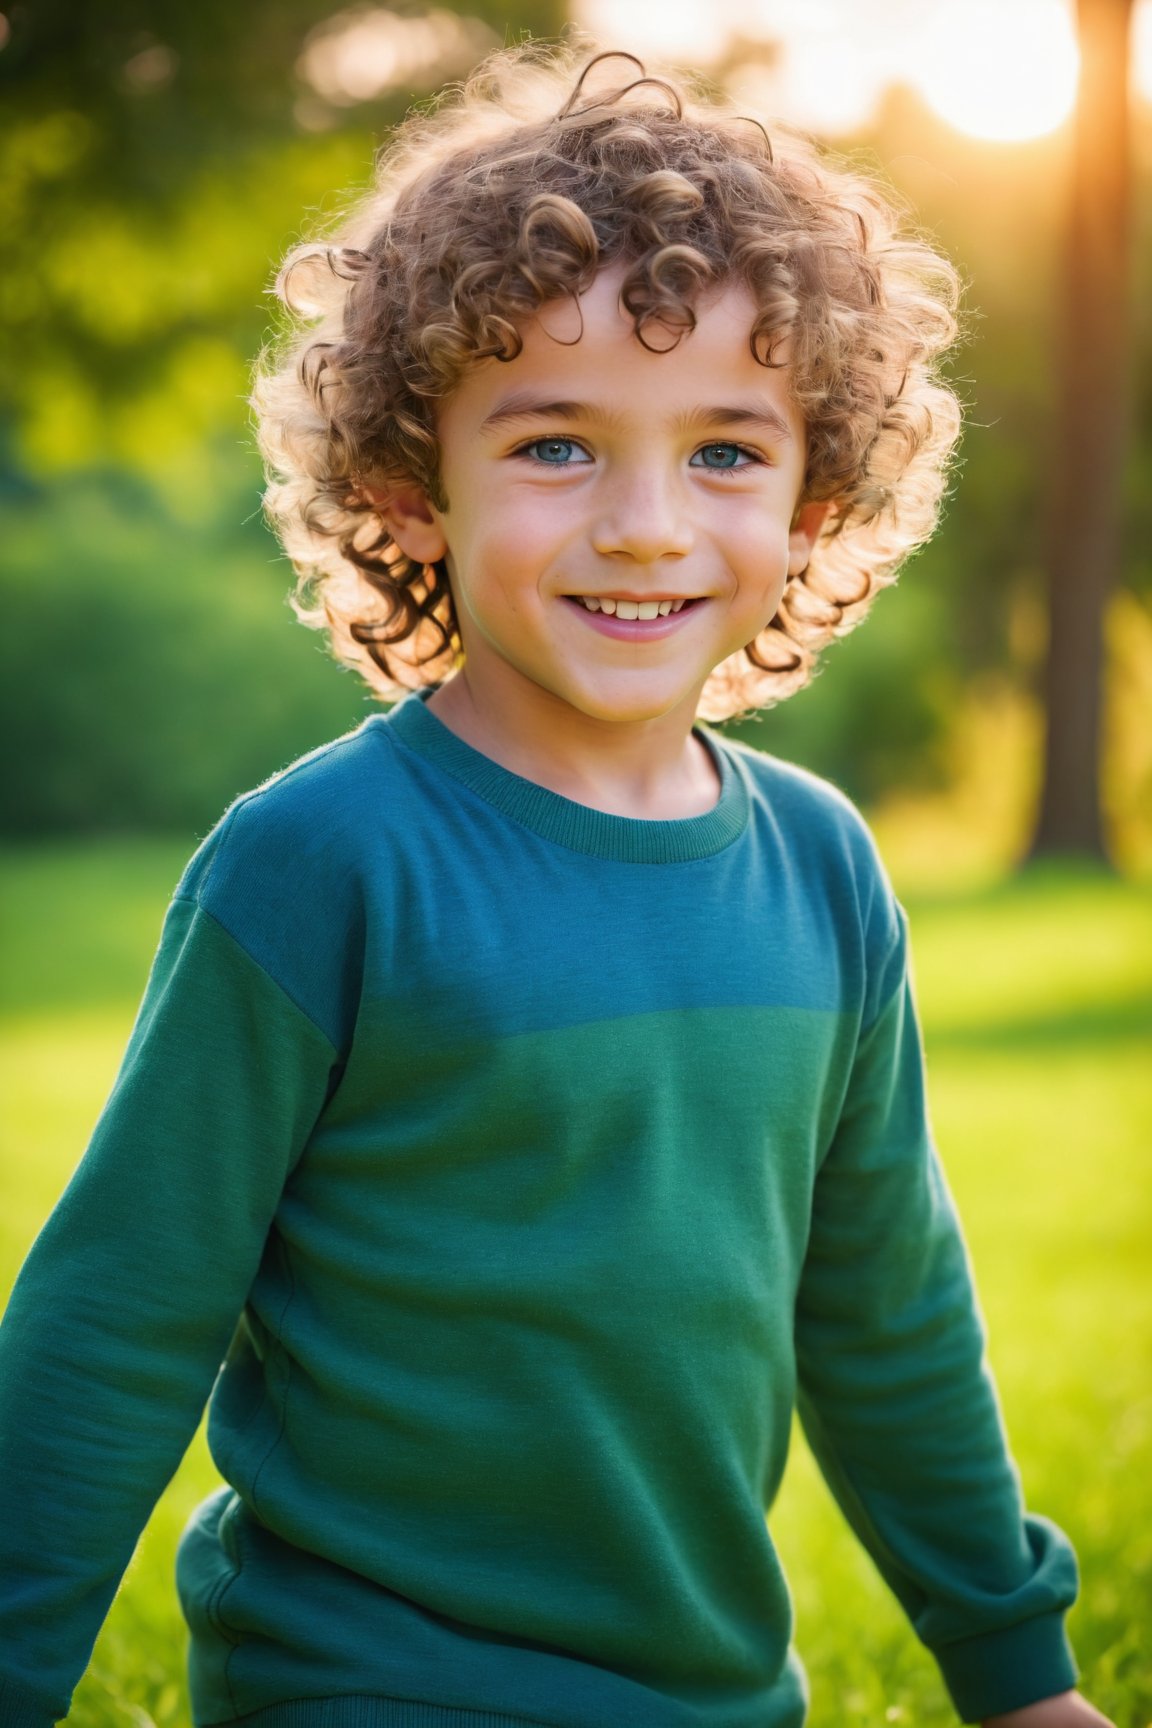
(587, 352)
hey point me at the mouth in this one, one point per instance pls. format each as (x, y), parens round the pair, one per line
(615, 606)
(634, 621)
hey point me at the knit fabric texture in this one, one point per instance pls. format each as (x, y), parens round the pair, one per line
(526, 1166)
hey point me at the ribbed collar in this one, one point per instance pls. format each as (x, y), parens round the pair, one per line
(576, 826)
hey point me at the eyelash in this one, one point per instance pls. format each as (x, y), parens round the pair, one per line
(753, 456)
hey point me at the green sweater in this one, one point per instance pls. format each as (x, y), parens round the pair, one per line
(526, 1165)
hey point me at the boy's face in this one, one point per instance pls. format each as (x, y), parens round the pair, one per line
(596, 470)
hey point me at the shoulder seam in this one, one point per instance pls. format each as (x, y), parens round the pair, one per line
(293, 768)
(222, 834)
(194, 901)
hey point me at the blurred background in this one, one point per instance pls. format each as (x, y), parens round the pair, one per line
(993, 717)
(157, 159)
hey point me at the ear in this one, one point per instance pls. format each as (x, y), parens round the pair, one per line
(409, 517)
(804, 533)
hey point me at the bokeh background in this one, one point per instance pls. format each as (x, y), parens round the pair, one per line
(993, 717)
(158, 159)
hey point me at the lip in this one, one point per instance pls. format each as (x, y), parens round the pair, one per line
(635, 629)
(637, 599)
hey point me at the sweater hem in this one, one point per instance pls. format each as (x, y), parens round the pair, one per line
(22, 1708)
(375, 1710)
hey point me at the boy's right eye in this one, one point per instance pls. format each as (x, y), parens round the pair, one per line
(554, 452)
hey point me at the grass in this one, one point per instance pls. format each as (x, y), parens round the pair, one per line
(1036, 997)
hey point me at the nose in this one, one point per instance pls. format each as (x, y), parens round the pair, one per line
(643, 515)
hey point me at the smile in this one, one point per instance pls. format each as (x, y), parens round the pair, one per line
(646, 609)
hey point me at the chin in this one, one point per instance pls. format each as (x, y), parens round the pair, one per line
(632, 710)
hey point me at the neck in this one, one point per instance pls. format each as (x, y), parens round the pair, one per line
(654, 769)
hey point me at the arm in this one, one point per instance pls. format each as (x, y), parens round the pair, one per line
(1068, 1710)
(128, 1299)
(895, 1395)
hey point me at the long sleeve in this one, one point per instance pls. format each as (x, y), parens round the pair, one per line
(895, 1394)
(403, 1102)
(127, 1302)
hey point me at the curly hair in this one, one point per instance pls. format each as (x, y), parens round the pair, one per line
(517, 188)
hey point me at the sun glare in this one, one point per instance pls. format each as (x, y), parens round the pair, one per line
(997, 70)
(1003, 70)
(1142, 50)
(682, 34)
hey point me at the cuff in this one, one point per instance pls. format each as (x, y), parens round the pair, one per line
(20, 1708)
(1005, 1670)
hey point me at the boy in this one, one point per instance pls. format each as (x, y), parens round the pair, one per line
(532, 1072)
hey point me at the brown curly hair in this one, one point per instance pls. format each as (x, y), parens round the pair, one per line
(517, 188)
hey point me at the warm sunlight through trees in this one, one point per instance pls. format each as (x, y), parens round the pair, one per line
(1002, 70)
(156, 161)
(997, 71)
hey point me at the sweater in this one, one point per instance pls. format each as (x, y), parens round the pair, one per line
(508, 1172)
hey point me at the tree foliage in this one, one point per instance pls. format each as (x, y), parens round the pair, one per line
(156, 160)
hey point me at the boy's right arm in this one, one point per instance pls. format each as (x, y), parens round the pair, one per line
(127, 1302)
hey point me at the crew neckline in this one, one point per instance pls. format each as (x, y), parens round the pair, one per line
(579, 827)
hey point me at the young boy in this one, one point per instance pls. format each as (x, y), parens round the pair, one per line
(527, 1096)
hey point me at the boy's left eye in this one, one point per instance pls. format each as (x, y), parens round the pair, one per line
(724, 455)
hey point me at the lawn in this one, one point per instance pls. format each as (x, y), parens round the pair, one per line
(1036, 998)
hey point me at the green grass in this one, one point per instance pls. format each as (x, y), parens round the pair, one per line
(1037, 1004)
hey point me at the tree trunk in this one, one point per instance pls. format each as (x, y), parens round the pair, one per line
(1084, 533)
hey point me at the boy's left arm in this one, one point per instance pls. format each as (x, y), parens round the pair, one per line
(1069, 1710)
(897, 1400)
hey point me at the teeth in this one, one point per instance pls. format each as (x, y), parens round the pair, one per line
(645, 609)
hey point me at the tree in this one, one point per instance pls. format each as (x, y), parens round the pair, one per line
(156, 159)
(1084, 538)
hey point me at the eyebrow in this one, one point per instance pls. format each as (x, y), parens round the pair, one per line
(527, 407)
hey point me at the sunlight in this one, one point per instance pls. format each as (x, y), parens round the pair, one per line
(1142, 50)
(361, 54)
(997, 71)
(685, 34)
(826, 87)
(828, 70)
(1004, 70)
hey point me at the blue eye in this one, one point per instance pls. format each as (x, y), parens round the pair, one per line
(556, 452)
(721, 456)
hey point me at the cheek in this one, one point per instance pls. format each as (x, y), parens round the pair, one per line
(756, 545)
(497, 568)
(523, 565)
(513, 534)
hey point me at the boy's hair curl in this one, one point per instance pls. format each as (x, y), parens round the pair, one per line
(518, 188)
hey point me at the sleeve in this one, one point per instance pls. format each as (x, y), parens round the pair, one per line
(128, 1299)
(895, 1394)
